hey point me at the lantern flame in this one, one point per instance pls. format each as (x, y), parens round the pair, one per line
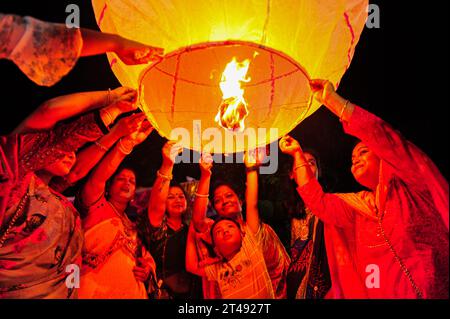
(233, 109)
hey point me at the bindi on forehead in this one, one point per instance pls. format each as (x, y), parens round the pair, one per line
(176, 191)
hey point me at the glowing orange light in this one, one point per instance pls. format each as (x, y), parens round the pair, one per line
(233, 109)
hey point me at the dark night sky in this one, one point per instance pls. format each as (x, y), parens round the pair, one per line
(393, 74)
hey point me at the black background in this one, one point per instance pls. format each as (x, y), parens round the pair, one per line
(399, 72)
(396, 73)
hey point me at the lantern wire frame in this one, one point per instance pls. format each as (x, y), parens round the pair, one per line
(158, 69)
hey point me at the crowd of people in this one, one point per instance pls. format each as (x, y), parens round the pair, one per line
(398, 224)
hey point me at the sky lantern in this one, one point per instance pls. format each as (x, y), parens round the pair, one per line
(235, 72)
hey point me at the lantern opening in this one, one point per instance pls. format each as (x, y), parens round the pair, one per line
(185, 87)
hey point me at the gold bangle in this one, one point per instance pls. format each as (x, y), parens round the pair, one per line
(300, 165)
(101, 146)
(343, 109)
(167, 177)
(123, 149)
(108, 97)
(109, 119)
(201, 195)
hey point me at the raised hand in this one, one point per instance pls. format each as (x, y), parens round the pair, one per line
(322, 90)
(143, 132)
(124, 94)
(128, 125)
(206, 164)
(132, 52)
(289, 145)
(254, 157)
(169, 151)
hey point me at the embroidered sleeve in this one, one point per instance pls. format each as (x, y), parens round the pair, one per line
(409, 162)
(11, 28)
(40, 149)
(45, 52)
(149, 233)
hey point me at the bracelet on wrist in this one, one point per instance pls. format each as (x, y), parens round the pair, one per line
(343, 110)
(123, 148)
(101, 146)
(201, 195)
(108, 117)
(252, 168)
(108, 97)
(301, 165)
(166, 177)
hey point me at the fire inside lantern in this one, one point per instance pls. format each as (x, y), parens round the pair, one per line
(233, 109)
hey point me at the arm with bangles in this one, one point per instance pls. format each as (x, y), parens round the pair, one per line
(87, 158)
(129, 51)
(200, 206)
(328, 207)
(409, 163)
(252, 160)
(61, 108)
(95, 185)
(41, 148)
(192, 259)
(160, 190)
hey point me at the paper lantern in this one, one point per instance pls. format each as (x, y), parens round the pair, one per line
(285, 43)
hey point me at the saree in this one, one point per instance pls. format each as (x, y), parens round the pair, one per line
(41, 238)
(45, 239)
(109, 256)
(401, 230)
(308, 276)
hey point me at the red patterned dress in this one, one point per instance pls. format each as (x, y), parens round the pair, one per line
(399, 234)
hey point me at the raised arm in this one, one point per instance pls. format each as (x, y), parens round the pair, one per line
(64, 107)
(328, 207)
(46, 51)
(160, 189)
(91, 155)
(252, 160)
(201, 197)
(192, 260)
(130, 52)
(95, 185)
(409, 162)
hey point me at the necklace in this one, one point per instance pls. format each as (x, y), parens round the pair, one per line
(304, 225)
(128, 225)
